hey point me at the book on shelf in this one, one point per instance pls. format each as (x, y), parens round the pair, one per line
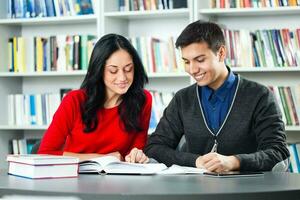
(54, 53)
(158, 55)
(272, 48)
(252, 4)
(294, 165)
(36, 166)
(288, 99)
(48, 8)
(32, 109)
(135, 5)
(22, 146)
(112, 165)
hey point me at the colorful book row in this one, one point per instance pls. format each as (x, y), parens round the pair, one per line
(263, 48)
(253, 3)
(158, 54)
(54, 53)
(288, 99)
(294, 158)
(22, 146)
(160, 101)
(134, 5)
(48, 8)
(32, 109)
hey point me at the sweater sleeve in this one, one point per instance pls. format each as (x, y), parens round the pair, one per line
(163, 142)
(141, 137)
(55, 137)
(269, 130)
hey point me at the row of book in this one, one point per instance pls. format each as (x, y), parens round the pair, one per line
(160, 101)
(54, 53)
(263, 48)
(48, 8)
(22, 146)
(134, 5)
(158, 54)
(288, 99)
(38, 109)
(252, 3)
(294, 165)
(32, 109)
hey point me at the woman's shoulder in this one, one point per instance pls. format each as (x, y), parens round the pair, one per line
(75, 95)
(147, 95)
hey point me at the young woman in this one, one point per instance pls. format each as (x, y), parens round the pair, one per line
(109, 114)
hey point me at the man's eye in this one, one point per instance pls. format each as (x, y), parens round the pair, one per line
(200, 61)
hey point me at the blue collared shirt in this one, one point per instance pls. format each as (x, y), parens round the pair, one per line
(216, 104)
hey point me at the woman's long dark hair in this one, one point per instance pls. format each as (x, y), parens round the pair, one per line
(93, 84)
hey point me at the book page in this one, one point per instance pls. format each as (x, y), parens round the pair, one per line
(176, 169)
(97, 164)
(134, 168)
(112, 165)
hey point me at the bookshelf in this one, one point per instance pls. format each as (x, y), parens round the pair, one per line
(36, 82)
(259, 19)
(146, 23)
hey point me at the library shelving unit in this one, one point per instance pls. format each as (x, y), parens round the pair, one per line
(36, 82)
(259, 19)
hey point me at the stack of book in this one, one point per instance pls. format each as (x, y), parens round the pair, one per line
(36, 166)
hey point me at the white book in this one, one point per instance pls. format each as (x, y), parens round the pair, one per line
(37, 166)
(11, 110)
(38, 108)
(112, 165)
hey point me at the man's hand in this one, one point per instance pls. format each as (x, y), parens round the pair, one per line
(136, 156)
(215, 162)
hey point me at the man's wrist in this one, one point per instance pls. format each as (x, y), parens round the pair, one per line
(235, 163)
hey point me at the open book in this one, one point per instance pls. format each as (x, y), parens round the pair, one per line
(112, 165)
(176, 169)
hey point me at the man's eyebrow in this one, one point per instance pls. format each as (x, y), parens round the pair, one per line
(199, 56)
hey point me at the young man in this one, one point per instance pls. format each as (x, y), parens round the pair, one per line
(229, 123)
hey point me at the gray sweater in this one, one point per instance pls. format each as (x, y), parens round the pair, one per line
(253, 130)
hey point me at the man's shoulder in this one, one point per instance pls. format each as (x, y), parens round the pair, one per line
(187, 91)
(252, 87)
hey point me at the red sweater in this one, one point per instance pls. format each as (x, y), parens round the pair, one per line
(65, 132)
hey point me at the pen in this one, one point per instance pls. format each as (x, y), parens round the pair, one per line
(214, 148)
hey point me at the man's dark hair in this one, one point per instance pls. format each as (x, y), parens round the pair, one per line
(132, 101)
(202, 31)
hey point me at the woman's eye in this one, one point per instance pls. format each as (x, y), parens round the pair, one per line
(128, 69)
(200, 61)
(113, 71)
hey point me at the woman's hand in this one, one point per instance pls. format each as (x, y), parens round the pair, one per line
(136, 156)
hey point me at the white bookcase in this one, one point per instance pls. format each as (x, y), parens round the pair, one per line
(256, 19)
(31, 83)
(107, 19)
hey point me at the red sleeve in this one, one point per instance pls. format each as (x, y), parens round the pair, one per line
(141, 137)
(63, 120)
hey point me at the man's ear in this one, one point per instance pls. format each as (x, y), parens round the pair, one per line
(222, 53)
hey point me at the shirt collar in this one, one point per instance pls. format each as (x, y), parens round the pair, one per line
(222, 91)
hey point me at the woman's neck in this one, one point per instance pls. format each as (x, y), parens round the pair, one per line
(112, 100)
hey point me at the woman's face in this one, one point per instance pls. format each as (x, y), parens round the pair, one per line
(118, 73)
